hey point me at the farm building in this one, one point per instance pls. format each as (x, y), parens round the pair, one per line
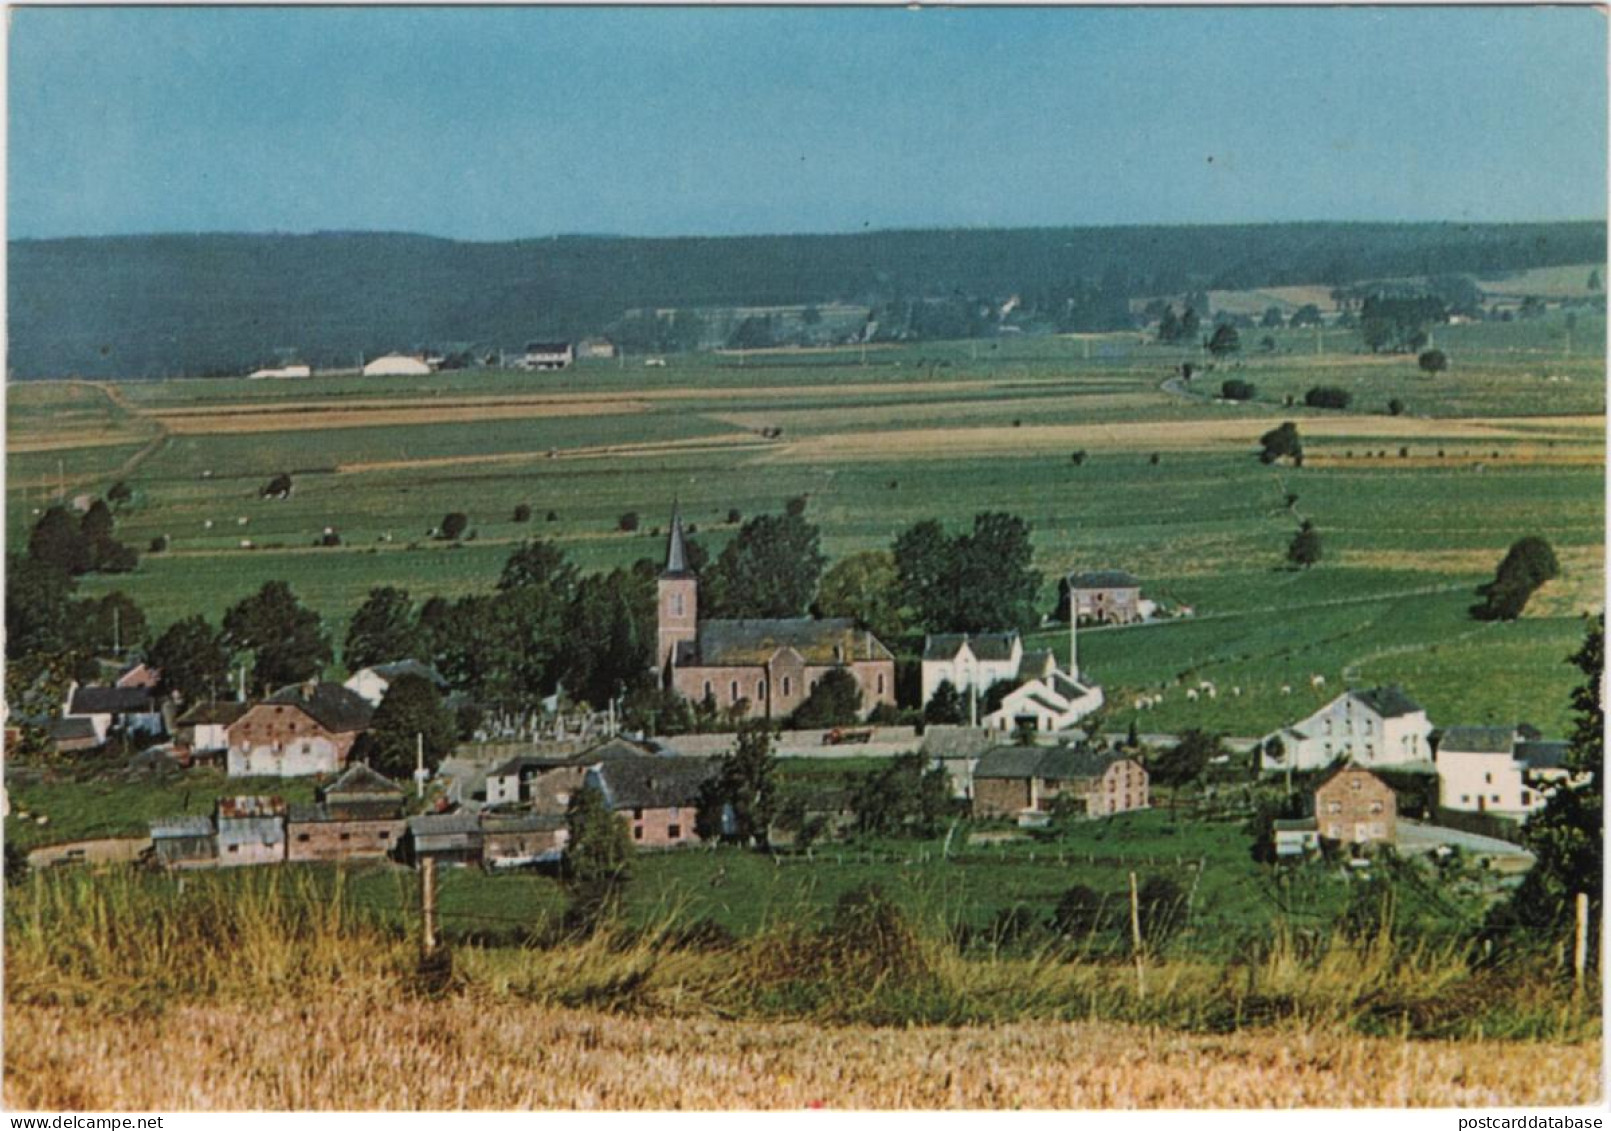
(130, 710)
(251, 830)
(1498, 770)
(449, 838)
(1049, 703)
(548, 355)
(371, 683)
(658, 795)
(301, 730)
(768, 666)
(518, 840)
(184, 842)
(1379, 727)
(204, 729)
(397, 365)
(320, 832)
(546, 783)
(1110, 596)
(1354, 806)
(978, 662)
(66, 736)
(283, 372)
(957, 751)
(1296, 837)
(1010, 780)
(596, 349)
(361, 793)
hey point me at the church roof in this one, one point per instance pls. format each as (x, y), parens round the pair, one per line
(746, 643)
(676, 549)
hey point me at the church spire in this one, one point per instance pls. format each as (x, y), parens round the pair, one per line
(676, 552)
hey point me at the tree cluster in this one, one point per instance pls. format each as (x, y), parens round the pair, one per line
(1397, 323)
(1281, 443)
(1528, 564)
(982, 580)
(903, 798)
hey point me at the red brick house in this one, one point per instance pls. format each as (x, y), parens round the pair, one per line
(1354, 806)
(657, 795)
(766, 666)
(1011, 780)
(356, 817)
(299, 731)
(1110, 596)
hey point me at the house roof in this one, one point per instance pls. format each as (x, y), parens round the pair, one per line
(988, 646)
(391, 671)
(1009, 762)
(334, 707)
(548, 347)
(651, 782)
(320, 812)
(955, 742)
(214, 712)
(1389, 702)
(520, 763)
(676, 549)
(750, 643)
(169, 828)
(1034, 665)
(1103, 579)
(1064, 762)
(242, 808)
(444, 824)
(360, 780)
(1349, 768)
(521, 822)
(69, 730)
(1295, 824)
(1542, 754)
(1477, 740)
(110, 701)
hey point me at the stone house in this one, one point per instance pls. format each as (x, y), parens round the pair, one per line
(1354, 806)
(957, 751)
(358, 816)
(371, 683)
(1010, 780)
(658, 796)
(451, 838)
(768, 667)
(1505, 771)
(251, 830)
(299, 731)
(1109, 596)
(184, 842)
(519, 840)
(546, 783)
(1379, 727)
(204, 729)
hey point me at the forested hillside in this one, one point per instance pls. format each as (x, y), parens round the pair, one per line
(145, 306)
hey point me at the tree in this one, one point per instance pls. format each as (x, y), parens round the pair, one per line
(1224, 341)
(1395, 407)
(38, 599)
(627, 523)
(540, 564)
(120, 494)
(277, 488)
(193, 660)
(1327, 396)
(741, 800)
(1528, 564)
(1304, 549)
(1594, 280)
(57, 541)
(1161, 908)
(1272, 319)
(924, 572)
(522, 512)
(384, 629)
(597, 862)
(1169, 326)
(1281, 443)
(1190, 323)
(977, 582)
(611, 629)
(945, 706)
(795, 506)
(286, 639)
(411, 714)
(114, 622)
(865, 587)
(1237, 389)
(903, 798)
(454, 524)
(1306, 315)
(769, 569)
(834, 701)
(1433, 361)
(1082, 913)
(1184, 762)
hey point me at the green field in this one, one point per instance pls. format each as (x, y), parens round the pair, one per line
(1414, 511)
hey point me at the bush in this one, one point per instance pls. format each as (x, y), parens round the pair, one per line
(277, 488)
(1395, 407)
(628, 522)
(1079, 458)
(523, 513)
(1236, 389)
(1433, 361)
(553, 516)
(159, 544)
(795, 506)
(734, 517)
(1327, 396)
(454, 525)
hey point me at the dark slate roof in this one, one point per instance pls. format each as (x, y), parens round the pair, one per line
(1009, 762)
(653, 782)
(1477, 740)
(1542, 754)
(217, 712)
(955, 742)
(520, 763)
(68, 730)
(741, 643)
(547, 347)
(444, 824)
(391, 671)
(676, 551)
(1064, 762)
(984, 645)
(1035, 664)
(1295, 824)
(331, 705)
(169, 828)
(1389, 702)
(111, 701)
(521, 822)
(360, 780)
(1103, 579)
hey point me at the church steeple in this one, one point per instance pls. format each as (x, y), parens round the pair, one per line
(678, 619)
(676, 551)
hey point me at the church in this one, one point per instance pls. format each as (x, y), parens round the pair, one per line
(770, 666)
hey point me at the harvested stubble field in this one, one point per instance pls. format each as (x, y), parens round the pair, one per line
(463, 1053)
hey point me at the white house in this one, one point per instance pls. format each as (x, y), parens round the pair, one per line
(548, 355)
(1379, 727)
(1497, 770)
(282, 373)
(978, 661)
(1050, 703)
(371, 683)
(133, 710)
(397, 365)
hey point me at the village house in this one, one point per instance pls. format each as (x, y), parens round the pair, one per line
(139, 674)
(977, 662)
(1504, 771)
(449, 838)
(357, 816)
(299, 731)
(1012, 780)
(596, 349)
(1296, 837)
(548, 355)
(251, 830)
(521, 840)
(1052, 702)
(397, 365)
(766, 667)
(203, 731)
(282, 372)
(658, 795)
(371, 683)
(1108, 596)
(546, 783)
(133, 711)
(67, 736)
(1379, 727)
(957, 751)
(184, 842)
(1354, 806)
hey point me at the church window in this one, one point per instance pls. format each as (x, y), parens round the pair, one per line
(788, 688)
(734, 690)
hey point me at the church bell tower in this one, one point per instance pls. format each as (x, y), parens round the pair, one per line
(678, 617)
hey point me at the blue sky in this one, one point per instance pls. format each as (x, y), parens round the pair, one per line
(499, 123)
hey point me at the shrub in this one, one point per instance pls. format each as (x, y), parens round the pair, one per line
(734, 517)
(454, 524)
(795, 506)
(553, 516)
(159, 544)
(628, 522)
(1395, 407)
(523, 513)
(1327, 396)
(277, 488)
(1154, 460)
(1433, 361)
(1236, 389)
(1079, 458)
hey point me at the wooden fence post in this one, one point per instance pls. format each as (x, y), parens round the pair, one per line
(1580, 943)
(1135, 940)
(428, 905)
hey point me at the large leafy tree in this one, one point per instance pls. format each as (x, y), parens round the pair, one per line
(114, 621)
(38, 599)
(866, 588)
(1281, 442)
(58, 541)
(385, 628)
(193, 660)
(409, 716)
(1528, 564)
(925, 571)
(610, 627)
(746, 787)
(287, 640)
(770, 569)
(834, 701)
(981, 581)
(1304, 550)
(904, 798)
(539, 564)
(597, 862)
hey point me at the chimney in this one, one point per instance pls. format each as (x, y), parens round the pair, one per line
(308, 688)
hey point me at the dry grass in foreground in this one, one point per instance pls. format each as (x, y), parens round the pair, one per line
(460, 1053)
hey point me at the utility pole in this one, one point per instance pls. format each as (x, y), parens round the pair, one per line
(419, 766)
(117, 631)
(428, 905)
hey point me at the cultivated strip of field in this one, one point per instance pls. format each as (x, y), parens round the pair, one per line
(1238, 431)
(462, 1053)
(345, 416)
(735, 441)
